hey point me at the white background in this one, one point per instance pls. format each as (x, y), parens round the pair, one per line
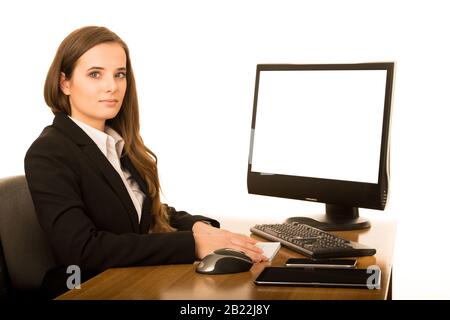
(322, 124)
(195, 65)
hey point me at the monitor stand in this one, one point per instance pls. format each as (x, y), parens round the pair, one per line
(337, 218)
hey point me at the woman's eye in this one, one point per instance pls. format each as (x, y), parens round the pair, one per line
(94, 74)
(121, 75)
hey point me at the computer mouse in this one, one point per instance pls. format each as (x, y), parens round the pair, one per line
(225, 260)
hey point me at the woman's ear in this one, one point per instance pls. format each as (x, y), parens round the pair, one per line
(64, 84)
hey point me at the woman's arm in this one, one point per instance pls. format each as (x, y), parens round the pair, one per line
(185, 221)
(55, 189)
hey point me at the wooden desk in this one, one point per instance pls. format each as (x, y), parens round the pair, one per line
(182, 282)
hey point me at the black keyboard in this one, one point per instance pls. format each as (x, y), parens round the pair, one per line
(310, 241)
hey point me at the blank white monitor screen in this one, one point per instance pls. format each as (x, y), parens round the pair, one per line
(320, 123)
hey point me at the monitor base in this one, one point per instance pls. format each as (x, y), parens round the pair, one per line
(337, 218)
(324, 223)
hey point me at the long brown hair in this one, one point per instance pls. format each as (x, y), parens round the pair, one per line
(126, 122)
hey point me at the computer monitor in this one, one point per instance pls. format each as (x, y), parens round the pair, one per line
(320, 132)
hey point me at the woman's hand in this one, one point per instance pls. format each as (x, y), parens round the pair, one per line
(208, 239)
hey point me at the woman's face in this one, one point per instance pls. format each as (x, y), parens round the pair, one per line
(98, 84)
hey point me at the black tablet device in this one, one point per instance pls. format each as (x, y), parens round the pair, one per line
(355, 278)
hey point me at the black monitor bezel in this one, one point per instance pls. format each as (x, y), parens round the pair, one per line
(330, 191)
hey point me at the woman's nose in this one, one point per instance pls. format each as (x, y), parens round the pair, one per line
(110, 84)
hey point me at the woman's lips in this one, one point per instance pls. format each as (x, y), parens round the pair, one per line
(109, 102)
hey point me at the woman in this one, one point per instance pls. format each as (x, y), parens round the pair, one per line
(94, 183)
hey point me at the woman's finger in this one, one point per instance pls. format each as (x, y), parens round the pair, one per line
(249, 240)
(246, 245)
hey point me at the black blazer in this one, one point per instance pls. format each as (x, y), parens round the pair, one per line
(86, 211)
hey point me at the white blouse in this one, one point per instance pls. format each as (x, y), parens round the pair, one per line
(111, 145)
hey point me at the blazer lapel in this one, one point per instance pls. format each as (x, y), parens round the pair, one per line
(146, 216)
(71, 129)
(114, 180)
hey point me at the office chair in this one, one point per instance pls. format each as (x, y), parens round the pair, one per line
(25, 254)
